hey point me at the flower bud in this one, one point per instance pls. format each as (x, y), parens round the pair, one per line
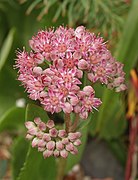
(37, 70)
(88, 90)
(77, 142)
(64, 153)
(50, 145)
(56, 153)
(29, 137)
(46, 137)
(35, 142)
(65, 141)
(42, 126)
(50, 124)
(59, 145)
(82, 64)
(62, 133)
(29, 124)
(41, 143)
(37, 120)
(67, 108)
(47, 153)
(53, 132)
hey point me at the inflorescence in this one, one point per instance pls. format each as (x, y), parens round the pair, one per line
(54, 72)
(50, 141)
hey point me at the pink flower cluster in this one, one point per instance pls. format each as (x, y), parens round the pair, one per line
(50, 141)
(53, 71)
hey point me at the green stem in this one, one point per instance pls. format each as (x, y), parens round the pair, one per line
(61, 168)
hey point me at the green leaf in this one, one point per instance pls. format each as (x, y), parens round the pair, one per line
(35, 166)
(6, 48)
(10, 90)
(12, 119)
(19, 152)
(33, 111)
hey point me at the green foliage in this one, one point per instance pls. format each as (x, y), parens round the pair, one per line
(19, 152)
(102, 14)
(35, 166)
(111, 121)
(6, 48)
(13, 119)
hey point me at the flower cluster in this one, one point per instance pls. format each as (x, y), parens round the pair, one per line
(53, 71)
(50, 141)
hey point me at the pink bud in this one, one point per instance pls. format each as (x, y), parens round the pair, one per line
(50, 124)
(77, 108)
(53, 132)
(56, 153)
(97, 102)
(50, 145)
(35, 142)
(79, 31)
(62, 133)
(42, 126)
(37, 70)
(122, 87)
(77, 142)
(47, 153)
(37, 120)
(29, 137)
(74, 136)
(41, 143)
(59, 145)
(33, 131)
(46, 137)
(65, 141)
(67, 108)
(75, 151)
(79, 73)
(82, 64)
(64, 153)
(88, 90)
(74, 100)
(29, 124)
(40, 134)
(41, 149)
(84, 115)
(77, 55)
(43, 94)
(70, 147)
(118, 81)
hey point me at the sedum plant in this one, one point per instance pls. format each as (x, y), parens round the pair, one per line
(59, 72)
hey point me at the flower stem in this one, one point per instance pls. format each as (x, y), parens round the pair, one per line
(61, 168)
(75, 124)
(67, 122)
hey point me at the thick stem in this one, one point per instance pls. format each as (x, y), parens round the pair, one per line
(61, 168)
(75, 124)
(67, 122)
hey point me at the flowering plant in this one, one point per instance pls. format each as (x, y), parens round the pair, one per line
(60, 71)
